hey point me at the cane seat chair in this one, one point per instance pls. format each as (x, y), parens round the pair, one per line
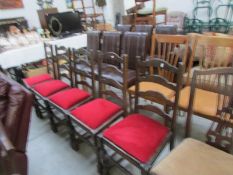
(138, 138)
(91, 118)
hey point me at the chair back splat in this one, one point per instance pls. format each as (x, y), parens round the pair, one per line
(63, 64)
(106, 72)
(170, 48)
(49, 55)
(111, 43)
(144, 66)
(134, 44)
(93, 40)
(83, 68)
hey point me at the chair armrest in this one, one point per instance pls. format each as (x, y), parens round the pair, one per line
(5, 143)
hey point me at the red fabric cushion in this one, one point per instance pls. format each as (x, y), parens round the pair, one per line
(138, 135)
(96, 112)
(50, 87)
(37, 79)
(68, 98)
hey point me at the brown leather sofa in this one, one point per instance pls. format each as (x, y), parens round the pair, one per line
(15, 111)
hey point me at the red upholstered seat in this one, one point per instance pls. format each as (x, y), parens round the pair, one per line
(68, 98)
(50, 87)
(138, 135)
(96, 112)
(37, 79)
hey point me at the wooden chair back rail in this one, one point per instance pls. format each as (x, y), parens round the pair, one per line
(83, 67)
(63, 63)
(112, 58)
(156, 95)
(104, 79)
(111, 82)
(218, 80)
(160, 80)
(169, 48)
(155, 110)
(215, 41)
(49, 55)
(157, 63)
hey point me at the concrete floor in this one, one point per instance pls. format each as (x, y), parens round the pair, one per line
(51, 154)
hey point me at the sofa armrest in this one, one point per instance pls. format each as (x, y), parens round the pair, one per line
(5, 143)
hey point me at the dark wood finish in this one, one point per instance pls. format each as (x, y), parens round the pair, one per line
(111, 42)
(49, 56)
(67, 66)
(88, 134)
(146, 29)
(141, 77)
(134, 44)
(63, 64)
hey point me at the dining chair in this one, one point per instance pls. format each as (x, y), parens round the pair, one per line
(210, 91)
(89, 119)
(140, 137)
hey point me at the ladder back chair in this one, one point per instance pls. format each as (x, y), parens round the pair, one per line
(51, 70)
(47, 80)
(90, 119)
(210, 94)
(65, 100)
(129, 139)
